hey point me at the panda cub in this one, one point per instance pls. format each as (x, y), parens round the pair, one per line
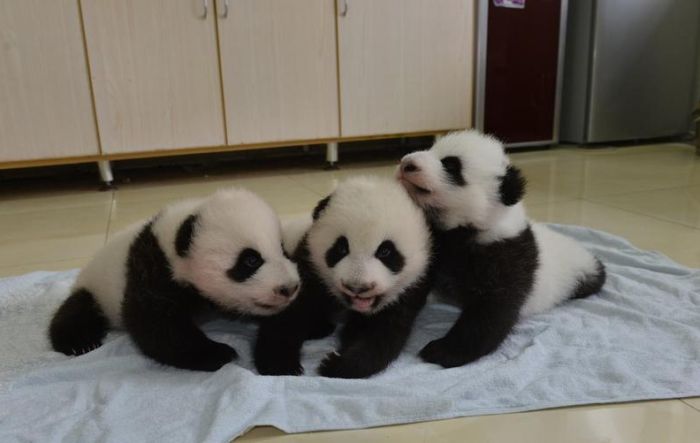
(366, 255)
(490, 259)
(224, 250)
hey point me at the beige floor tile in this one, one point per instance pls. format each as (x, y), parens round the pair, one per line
(62, 265)
(623, 171)
(679, 242)
(551, 178)
(694, 402)
(657, 421)
(42, 236)
(680, 205)
(47, 197)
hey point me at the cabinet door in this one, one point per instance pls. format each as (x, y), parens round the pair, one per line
(155, 74)
(45, 103)
(405, 65)
(278, 60)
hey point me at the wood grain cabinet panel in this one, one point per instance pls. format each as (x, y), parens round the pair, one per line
(155, 74)
(45, 104)
(405, 65)
(278, 61)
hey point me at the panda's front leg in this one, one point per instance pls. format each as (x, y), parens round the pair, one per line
(368, 344)
(169, 336)
(479, 330)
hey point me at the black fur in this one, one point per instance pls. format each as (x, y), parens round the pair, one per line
(247, 264)
(512, 187)
(320, 206)
(591, 284)
(453, 167)
(184, 236)
(491, 282)
(79, 325)
(157, 311)
(337, 251)
(390, 256)
(368, 343)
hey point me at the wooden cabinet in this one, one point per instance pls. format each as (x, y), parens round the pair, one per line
(155, 74)
(278, 62)
(405, 65)
(45, 104)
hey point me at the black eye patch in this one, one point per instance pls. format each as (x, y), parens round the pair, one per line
(390, 256)
(453, 167)
(247, 264)
(338, 251)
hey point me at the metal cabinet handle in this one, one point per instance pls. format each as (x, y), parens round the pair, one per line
(343, 8)
(225, 13)
(205, 4)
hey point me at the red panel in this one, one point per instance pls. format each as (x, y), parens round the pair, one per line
(521, 70)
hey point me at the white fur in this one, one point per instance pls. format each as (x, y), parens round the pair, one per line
(562, 261)
(228, 221)
(368, 211)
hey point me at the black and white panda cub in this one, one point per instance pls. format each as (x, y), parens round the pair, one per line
(490, 259)
(366, 255)
(224, 250)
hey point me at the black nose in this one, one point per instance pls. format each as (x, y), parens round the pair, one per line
(409, 167)
(361, 288)
(286, 291)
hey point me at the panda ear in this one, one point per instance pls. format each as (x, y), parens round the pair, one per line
(320, 206)
(185, 233)
(512, 186)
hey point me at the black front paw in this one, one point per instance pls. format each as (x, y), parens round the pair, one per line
(213, 357)
(278, 363)
(336, 365)
(446, 353)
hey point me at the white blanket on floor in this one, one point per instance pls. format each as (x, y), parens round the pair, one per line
(638, 339)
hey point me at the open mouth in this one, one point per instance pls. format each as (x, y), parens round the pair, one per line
(363, 304)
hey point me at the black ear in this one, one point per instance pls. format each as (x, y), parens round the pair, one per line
(512, 186)
(320, 206)
(183, 238)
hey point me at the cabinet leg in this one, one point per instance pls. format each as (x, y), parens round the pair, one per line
(332, 155)
(106, 176)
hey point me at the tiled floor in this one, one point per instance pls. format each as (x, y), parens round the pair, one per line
(648, 194)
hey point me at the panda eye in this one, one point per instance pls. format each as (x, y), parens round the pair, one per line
(252, 261)
(338, 251)
(383, 251)
(390, 256)
(247, 264)
(453, 168)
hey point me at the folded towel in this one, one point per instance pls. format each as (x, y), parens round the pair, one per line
(639, 339)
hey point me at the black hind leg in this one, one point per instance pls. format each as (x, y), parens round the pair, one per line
(591, 283)
(79, 325)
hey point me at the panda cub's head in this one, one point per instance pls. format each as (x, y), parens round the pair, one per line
(229, 247)
(369, 242)
(465, 179)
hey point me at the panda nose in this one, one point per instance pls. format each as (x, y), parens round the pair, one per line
(409, 166)
(359, 288)
(286, 290)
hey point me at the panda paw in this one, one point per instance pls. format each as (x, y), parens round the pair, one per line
(335, 366)
(214, 357)
(445, 353)
(278, 365)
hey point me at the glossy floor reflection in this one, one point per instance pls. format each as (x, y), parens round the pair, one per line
(649, 194)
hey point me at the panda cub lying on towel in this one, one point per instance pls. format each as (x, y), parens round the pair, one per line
(366, 255)
(490, 259)
(223, 250)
